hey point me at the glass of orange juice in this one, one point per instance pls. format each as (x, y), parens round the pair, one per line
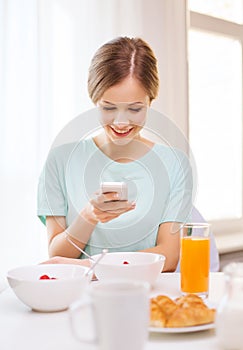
(195, 258)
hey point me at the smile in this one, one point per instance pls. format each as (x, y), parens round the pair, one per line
(121, 133)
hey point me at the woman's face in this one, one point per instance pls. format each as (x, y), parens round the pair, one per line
(123, 109)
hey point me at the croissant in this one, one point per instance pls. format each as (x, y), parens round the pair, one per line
(167, 305)
(191, 316)
(188, 310)
(190, 300)
(157, 316)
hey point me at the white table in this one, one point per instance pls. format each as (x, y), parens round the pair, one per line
(21, 328)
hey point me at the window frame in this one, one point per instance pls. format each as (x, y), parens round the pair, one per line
(214, 25)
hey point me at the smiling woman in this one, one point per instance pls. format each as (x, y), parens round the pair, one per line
(123, 81)
(47, 47)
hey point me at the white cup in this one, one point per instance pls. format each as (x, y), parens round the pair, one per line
(120, 314)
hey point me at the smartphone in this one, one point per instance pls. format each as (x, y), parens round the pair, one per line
(119, 187)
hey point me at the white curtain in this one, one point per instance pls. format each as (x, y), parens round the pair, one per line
(46, 47)
(20, 132)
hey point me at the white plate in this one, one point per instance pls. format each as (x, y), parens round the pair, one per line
(202, 327)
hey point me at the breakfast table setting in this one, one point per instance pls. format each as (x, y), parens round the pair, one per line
(123, 301)
(23, 328)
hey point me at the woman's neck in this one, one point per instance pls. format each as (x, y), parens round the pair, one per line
(129, 152)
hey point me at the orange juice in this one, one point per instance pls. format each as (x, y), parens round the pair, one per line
(194, 264)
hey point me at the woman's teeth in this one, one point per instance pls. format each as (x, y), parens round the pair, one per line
(121, 131)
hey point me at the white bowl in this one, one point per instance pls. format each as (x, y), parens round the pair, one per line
(49, 295)
(141, 266)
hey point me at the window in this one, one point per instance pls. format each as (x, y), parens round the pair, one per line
(215, 108)
(230, 10)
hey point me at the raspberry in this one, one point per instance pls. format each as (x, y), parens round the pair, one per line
(44, 277)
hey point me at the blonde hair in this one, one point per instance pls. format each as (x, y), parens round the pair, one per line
(118, 59)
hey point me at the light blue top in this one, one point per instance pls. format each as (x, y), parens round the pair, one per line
(160, 182)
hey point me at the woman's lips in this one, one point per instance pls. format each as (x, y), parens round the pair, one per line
(121, 133)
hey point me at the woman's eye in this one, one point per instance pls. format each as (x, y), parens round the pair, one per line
(109, 108)
(135, 110)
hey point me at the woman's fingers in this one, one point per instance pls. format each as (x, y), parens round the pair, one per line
(112, 206)
(64, 260)
(107, 197)
(105, 216)
(107, 206)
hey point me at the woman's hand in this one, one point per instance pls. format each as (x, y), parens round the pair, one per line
(63, 260)
(106, 207)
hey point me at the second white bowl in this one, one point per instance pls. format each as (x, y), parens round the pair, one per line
(130, 265)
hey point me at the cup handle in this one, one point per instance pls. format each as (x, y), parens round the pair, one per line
(81, 314)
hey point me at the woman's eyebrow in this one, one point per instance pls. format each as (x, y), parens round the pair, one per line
(128, 103)
(136, 103)
(107, 102)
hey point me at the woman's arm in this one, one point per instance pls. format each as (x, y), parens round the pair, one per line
(100, 209)
(168, 244)
(61, 251)
(79, 232)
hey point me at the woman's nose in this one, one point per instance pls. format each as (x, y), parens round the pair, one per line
(121, 119)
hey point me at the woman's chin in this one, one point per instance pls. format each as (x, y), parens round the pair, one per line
(122, 141)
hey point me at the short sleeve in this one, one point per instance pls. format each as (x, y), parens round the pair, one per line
(179, 204)
(51, 199)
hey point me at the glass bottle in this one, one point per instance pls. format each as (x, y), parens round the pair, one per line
(229, 317)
